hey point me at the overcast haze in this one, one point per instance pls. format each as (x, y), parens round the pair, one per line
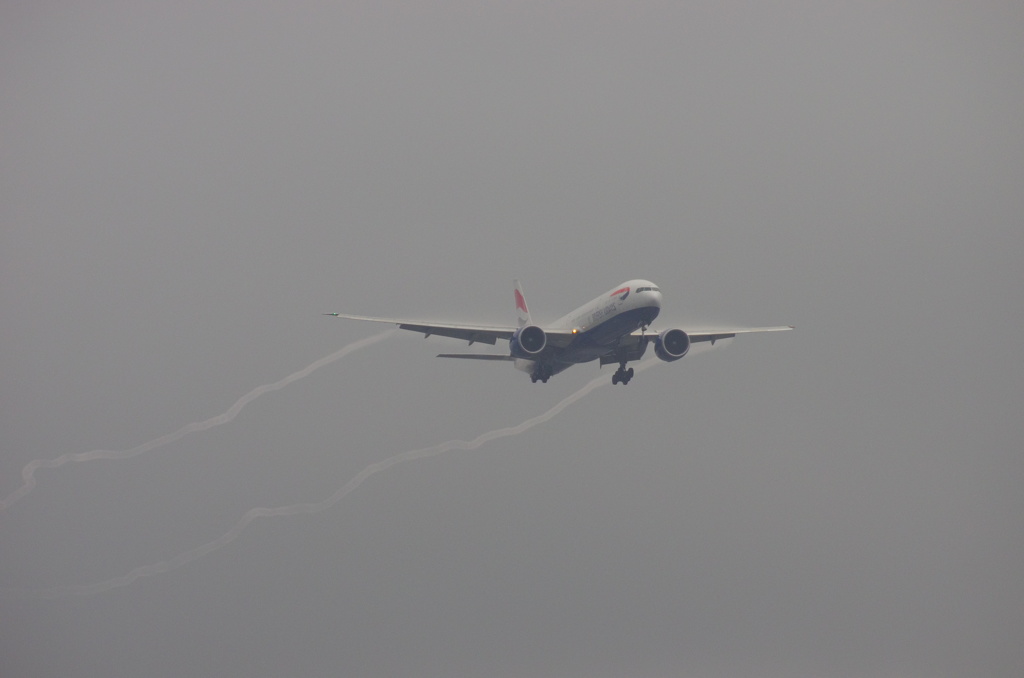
(187, 186)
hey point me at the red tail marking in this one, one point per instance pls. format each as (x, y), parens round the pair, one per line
(520, 302)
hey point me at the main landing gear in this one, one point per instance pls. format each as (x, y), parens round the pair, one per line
(542, 373)
(622, 375)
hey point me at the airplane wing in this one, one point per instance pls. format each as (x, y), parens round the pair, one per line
(484, 334)
(713, 334)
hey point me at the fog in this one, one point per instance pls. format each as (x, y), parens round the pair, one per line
(203, 475)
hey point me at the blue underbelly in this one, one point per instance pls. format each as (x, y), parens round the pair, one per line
(601, 338)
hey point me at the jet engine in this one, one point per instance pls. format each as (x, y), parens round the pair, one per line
(528, 342)
(671, 345)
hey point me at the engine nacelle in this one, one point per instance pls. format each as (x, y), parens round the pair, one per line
(671, 345)
(528, 342)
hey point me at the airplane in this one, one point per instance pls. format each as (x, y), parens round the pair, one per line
(612, 328)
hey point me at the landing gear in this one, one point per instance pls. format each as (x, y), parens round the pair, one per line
(542, 374)
(622, 375)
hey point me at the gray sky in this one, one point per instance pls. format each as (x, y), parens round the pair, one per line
(186, 187)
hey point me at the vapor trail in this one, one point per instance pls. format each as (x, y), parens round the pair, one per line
(28, 473)
(309, 508)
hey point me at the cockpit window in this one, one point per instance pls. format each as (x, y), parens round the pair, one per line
(647, 289)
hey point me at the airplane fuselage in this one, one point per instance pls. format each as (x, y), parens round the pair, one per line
(600, 324)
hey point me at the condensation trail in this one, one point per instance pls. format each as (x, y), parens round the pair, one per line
(28, 473)
(309, 508)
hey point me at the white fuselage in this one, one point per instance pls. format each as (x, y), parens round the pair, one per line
(600, 324)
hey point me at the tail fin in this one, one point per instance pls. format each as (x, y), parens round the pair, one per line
(521, 310)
